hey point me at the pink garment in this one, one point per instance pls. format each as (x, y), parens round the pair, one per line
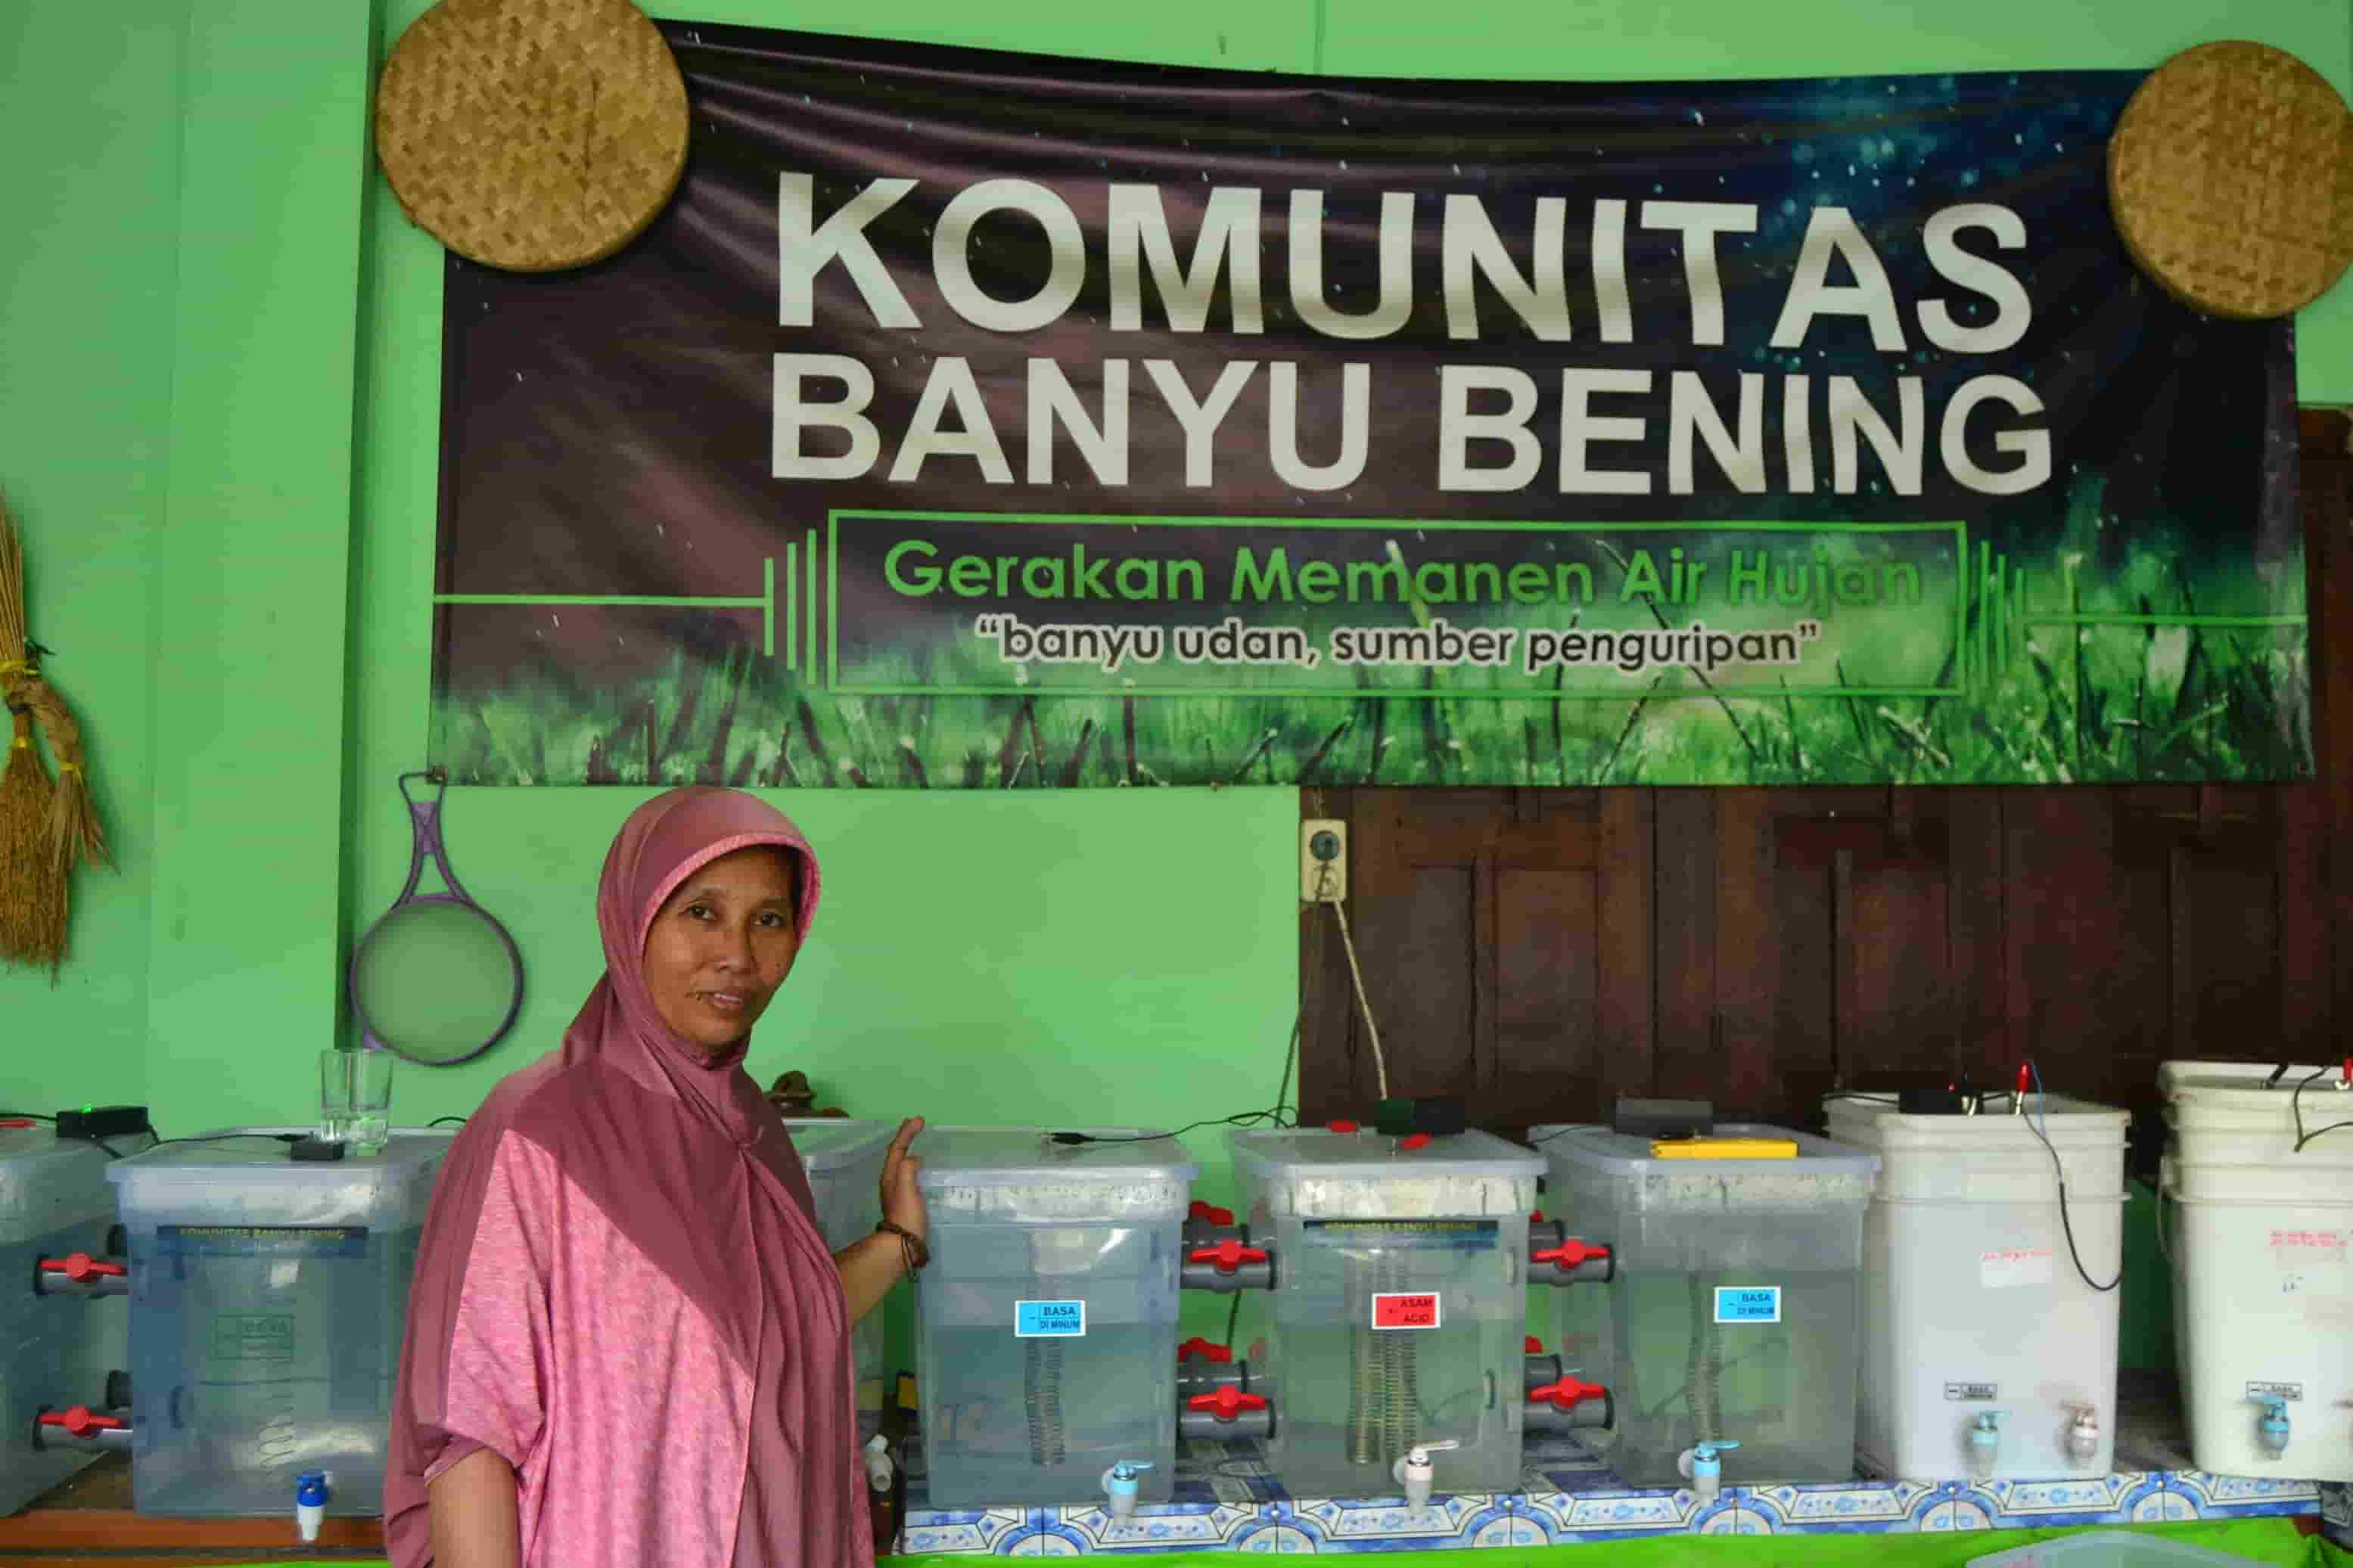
(622, 1289)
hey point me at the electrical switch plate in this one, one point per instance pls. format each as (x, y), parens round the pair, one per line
(1323, 852)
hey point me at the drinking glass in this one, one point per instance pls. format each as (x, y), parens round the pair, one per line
(356, 1099)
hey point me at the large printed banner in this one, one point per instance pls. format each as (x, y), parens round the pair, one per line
(977, 420)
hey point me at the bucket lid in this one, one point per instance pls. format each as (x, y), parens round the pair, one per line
(829, 1143)
(2241, 1086)
(1872, 1125)
(1626, 1154)
(1287, 1152)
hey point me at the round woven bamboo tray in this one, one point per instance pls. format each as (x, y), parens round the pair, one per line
(2230, 175)
(532, 135)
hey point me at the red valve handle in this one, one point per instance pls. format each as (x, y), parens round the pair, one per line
(79, 1421)
(1566, 1393)
(82, 1268)
(1204, 1350)
(1536, 1218)
(1340, 1127)
(1569, 1254)
(1533, 1346)
(1214, 1215)
(1226, 1403)
(1413, 1141)
(1228, 1255)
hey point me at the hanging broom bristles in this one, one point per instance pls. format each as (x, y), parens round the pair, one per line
(32, 882)
(43, 828)
(75, 832)
(12, 656)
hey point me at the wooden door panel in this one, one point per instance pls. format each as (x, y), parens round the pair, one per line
(1490, 960)
(2087, 943)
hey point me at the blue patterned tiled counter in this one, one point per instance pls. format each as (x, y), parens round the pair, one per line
(1226, 1500)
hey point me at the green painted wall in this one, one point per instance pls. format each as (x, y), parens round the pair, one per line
(217, 417)
(90, 184)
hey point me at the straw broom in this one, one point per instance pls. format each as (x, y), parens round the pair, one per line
(32, 885)
(44, 827)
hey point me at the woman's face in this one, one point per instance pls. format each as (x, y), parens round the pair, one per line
(721, 946)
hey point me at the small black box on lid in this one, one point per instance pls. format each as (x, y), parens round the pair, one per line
(103, 1122)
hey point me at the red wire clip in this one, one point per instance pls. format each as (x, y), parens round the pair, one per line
(1204, 1348)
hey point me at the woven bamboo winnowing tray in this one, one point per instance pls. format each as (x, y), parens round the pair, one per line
(532, 135)
(2230, 175)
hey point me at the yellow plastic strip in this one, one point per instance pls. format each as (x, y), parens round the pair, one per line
(1724, 1148)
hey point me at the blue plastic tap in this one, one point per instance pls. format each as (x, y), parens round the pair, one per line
(310, 1495)
(2271, 1431)
(1985, 1444)
(1706, 1468)
(1119, 1485)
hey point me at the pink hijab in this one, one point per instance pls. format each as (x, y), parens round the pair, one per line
(685, 1156)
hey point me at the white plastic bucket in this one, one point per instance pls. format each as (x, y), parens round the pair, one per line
(2260, 1244)
(1972, 1300)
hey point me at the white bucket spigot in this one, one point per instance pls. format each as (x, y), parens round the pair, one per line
(2271, 1431)
(1119, 1485)
(877, 1458)
(1413, 1471)
(2083, 1436)
(310, 1495)
(1985, 1444)
(1702, 1467)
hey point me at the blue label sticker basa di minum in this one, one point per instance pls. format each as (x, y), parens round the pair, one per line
(1749, 1303)
(1050, 1320)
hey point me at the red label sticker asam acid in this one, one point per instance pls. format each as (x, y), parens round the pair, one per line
(1406, 1312)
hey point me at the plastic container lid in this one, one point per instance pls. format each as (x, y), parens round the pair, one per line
(249, 1179)
(1019, 1174)
(1315, 1174)
(1626, 1155)
(1294, 1153)
(2108, 1548)
(826, 1143)
(46, 1182)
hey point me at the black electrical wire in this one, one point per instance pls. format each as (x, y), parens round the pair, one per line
(1239, 1119)
(440, 1119)
(1866, 1099)
(2065, 1223)
(24, 1116)
(2296, 1104)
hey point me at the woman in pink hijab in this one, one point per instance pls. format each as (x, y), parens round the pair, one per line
(628, 1344)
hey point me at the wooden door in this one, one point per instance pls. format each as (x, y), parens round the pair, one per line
(1504, 944)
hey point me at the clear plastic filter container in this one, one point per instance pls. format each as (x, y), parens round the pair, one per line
(267, 1300)
(59, 1343)
(1736, 1311)
(1046, 1319)
(844, 1162)
(1399, 1304)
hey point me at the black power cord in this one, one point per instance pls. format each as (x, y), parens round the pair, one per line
(2066, 1224)
(2296, 1104)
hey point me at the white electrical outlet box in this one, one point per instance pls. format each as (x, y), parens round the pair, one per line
(1323, 860)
